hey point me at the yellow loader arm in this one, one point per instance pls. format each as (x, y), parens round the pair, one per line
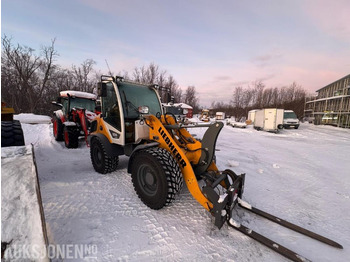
(195, 159)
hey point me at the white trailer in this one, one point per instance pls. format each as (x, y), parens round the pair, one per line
(220, 115)
(251, 116)
(269, 119)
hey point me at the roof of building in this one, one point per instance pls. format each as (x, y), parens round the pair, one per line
(333, 83)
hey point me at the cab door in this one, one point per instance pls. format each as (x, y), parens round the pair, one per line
(112, 113)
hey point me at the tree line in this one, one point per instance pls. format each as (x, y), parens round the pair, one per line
(30, 80)
(258, 96)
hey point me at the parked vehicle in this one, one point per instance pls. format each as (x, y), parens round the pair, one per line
(290, 119)
(176, 110)
(330, 118)
(269, 119)
(77, 110)
(205, 115)
(232, 122)
(251, 116)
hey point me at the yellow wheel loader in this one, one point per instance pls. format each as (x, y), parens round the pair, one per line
(162, 152)
(163, 155)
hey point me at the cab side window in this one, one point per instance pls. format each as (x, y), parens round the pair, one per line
(65, 105)
(110, 108)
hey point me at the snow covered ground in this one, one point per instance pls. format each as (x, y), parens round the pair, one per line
(300, 175)
(21, 224)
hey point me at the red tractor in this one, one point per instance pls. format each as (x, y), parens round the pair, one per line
(73, 119)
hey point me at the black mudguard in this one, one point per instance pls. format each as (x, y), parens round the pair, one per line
(138, 148)
(112, 150)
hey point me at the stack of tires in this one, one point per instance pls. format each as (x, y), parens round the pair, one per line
(11, 133)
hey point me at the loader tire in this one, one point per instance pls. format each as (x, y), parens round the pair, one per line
(101, 162)
(156, 177)
(11, 133)
(70, 137)
(57, 129)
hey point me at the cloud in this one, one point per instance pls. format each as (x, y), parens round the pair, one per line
(222, 78)
(267, 59)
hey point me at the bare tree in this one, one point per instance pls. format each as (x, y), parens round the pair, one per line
(238, 97)
(258, 92)
(152, 74)
(190, 98)
(81, 76)
(26, 75)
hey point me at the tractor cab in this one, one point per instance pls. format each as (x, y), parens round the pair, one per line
(70, 99)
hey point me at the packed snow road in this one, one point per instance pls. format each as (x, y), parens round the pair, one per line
(300, 175)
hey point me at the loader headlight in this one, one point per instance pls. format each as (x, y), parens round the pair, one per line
(114, 134)
(143, 110)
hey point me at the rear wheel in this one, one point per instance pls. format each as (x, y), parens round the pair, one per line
(156, 177)
(57, 129)
(70, 137)
(101, 162)
(11, 133)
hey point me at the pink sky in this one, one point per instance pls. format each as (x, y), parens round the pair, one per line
(213, 45)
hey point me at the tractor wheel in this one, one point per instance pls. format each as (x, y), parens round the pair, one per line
(70, 137)
(100, 160)
(11, 133)
(57, 129)
(156, 177)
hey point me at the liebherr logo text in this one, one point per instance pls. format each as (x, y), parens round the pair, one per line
(172, 148)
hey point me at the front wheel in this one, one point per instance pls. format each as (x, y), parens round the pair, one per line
(156, 177)
(101, 162)
(70, 137)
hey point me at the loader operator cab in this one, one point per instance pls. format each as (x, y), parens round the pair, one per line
(122, 104)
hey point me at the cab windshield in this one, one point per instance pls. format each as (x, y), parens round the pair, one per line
(290, 115)
(133, 96)
(88, 104)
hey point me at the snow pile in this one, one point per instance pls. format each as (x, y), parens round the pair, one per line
(21, 228)
(32, 119)
(232, 163)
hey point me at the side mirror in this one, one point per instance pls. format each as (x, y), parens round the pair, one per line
(102, 89)
(144, 110)
(56, 104)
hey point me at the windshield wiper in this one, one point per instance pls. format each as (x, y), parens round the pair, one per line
(127, 102)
